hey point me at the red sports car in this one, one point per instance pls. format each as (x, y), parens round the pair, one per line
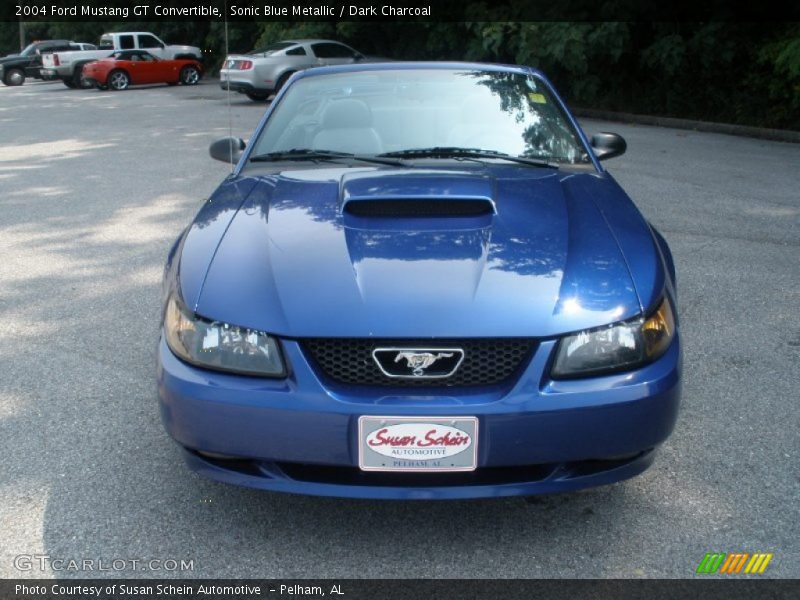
(136, 67)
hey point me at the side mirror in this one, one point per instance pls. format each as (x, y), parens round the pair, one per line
(608, 145)
(358, 57)
(228, 150)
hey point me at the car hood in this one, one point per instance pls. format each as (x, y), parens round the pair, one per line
(330, 252)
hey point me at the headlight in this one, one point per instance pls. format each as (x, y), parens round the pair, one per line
(616, 347)
(219, 345)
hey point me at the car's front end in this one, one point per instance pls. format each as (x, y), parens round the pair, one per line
(533, 434)
(438, 327)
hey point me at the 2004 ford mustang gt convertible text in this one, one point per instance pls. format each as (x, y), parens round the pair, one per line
(419, 282)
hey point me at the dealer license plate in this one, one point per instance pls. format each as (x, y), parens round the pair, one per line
(417, 443)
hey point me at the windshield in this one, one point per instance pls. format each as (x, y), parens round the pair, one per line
(391, 111)
(29, 50)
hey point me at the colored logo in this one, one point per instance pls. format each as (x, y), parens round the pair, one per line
(734, 563)
(419, 440)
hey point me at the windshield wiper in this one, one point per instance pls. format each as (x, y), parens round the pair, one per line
(456, 152)
(310, 154)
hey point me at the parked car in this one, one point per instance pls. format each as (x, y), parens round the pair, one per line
(14, 68)
(419, 282)
(263, 72)
(68, 66)
(137, 67)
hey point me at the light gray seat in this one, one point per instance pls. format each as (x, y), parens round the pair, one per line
(347, 127)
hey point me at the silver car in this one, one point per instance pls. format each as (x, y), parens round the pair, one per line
(261, 73)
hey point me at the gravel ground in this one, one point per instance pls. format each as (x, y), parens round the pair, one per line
(96, 185)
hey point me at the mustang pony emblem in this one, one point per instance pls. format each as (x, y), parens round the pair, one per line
(419, 361)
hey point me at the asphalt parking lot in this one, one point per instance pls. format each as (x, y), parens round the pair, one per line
(93, 189)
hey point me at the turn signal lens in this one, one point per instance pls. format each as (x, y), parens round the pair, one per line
(658, 331)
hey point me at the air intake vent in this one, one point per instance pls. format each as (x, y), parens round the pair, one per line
(486, 361)
(434, 207)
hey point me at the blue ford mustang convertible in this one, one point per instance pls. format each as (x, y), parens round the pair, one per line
(419, 282)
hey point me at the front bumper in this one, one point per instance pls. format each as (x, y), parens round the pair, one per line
(537, 436)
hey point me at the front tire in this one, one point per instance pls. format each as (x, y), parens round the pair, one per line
(190, 75)
(14, 77)
(256, 97)
(118, 81)
(69, 83)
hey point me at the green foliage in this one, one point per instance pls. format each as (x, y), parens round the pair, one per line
(782, 59)
(666, 55)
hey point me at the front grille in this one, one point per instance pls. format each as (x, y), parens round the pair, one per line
(486, 361)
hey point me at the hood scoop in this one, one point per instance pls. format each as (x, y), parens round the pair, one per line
(399, 208)
(416, 193)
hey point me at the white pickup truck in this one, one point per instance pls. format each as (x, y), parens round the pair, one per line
(68, 66)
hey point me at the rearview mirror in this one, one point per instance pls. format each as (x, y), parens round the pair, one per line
(228, 150)
(608, 145)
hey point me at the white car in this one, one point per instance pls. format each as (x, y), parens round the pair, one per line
(263, 72)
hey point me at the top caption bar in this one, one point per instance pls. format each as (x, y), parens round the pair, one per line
(397, 10)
